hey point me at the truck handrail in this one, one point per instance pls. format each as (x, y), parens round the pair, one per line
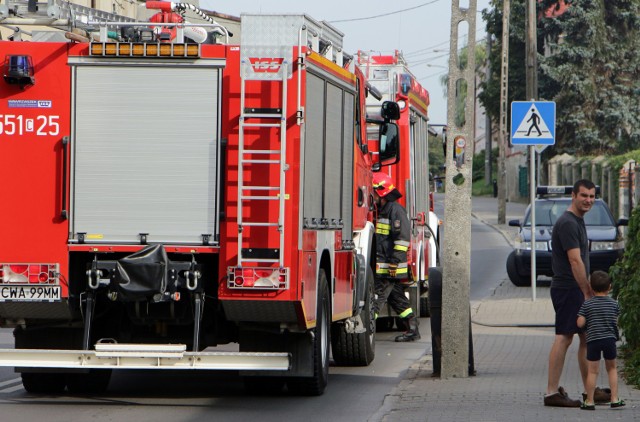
(103, 25)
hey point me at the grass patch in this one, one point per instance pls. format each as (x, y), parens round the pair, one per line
(479, 188)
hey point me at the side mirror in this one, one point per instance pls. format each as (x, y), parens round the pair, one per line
(623, 222)
(514, 223)
(389, 143)
(390, 111)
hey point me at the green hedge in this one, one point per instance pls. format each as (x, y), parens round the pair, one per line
(625, 276)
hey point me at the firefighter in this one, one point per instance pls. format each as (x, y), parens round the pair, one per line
(392, 244)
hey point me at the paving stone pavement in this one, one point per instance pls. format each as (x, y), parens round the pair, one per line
(512, 336)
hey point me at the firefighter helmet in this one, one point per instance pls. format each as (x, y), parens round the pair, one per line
(382, 184)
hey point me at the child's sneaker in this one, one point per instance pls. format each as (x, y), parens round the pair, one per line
(618, 403)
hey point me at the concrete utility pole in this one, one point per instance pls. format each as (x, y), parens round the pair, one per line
(532, 78)
(457, 203)
(488, 168)
(532, 51)
(504, 108)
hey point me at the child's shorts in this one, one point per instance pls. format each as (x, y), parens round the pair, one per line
(604, 347)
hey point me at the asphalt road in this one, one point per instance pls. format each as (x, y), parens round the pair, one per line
(354, 393)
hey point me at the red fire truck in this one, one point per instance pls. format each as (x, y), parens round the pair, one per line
(389, 74)
(167, 197)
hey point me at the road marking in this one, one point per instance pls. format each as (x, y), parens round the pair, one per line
(11, 389)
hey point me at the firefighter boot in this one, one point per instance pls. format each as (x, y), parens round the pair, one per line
(412, 334)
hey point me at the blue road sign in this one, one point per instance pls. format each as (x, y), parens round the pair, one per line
(533, 122)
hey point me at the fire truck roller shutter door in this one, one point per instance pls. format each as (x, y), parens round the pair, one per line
(328, 156)
(347, 165)
(333, 157)
(313, 151)
(171, 194)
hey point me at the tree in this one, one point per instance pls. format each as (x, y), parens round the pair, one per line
(461, 87)
(490, 95)
(590, 68)
(594, 64)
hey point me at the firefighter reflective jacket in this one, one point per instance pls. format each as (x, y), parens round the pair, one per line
(392, 240)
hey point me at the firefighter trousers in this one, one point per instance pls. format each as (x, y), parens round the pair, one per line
(390, 290)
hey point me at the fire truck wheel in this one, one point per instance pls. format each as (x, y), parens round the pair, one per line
(356, 349)
(315, 385)
(43, 383)
(424, 307)
(95, 381)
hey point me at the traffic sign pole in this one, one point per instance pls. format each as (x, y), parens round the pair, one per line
(533, 123)
(532, 198)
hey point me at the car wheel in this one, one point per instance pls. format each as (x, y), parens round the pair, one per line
(512, 272)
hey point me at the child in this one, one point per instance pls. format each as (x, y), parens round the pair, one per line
(600, 315)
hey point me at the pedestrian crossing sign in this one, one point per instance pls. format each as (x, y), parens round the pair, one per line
(533, 123)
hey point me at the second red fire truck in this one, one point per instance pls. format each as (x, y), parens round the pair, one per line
(389, 74)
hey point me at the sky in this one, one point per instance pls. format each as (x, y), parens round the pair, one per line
(415, 27)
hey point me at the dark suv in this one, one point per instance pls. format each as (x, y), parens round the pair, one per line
(606, 243)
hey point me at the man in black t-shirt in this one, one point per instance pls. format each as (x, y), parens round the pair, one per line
(569, 289)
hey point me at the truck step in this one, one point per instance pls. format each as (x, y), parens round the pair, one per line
(263, 113)
(259, 124)
(261, 188)
(140, 356)
(251, 161)
(260, 260)
(261, 151)
(260, 198)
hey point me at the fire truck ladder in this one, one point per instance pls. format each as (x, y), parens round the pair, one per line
(251, 118)
(55, 13)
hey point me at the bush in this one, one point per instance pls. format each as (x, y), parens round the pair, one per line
(479, 185)
(625, 276)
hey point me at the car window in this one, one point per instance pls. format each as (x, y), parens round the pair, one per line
(548, 211)
(599, 216)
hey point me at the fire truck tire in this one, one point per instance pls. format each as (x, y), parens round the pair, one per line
(356, 349)
(315, 385)
(95, 381)
(424, 307)
(43, 383)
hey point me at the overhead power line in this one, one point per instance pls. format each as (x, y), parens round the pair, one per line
(386, 14)
(428, 50)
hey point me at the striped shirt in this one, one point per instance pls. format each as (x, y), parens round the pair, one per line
(601, 313)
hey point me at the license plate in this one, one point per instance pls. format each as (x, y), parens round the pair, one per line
(29, 293)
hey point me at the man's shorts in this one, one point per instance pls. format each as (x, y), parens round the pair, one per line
(567, 303)
(604, 347)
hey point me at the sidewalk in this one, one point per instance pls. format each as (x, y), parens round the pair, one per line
(510, 361)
